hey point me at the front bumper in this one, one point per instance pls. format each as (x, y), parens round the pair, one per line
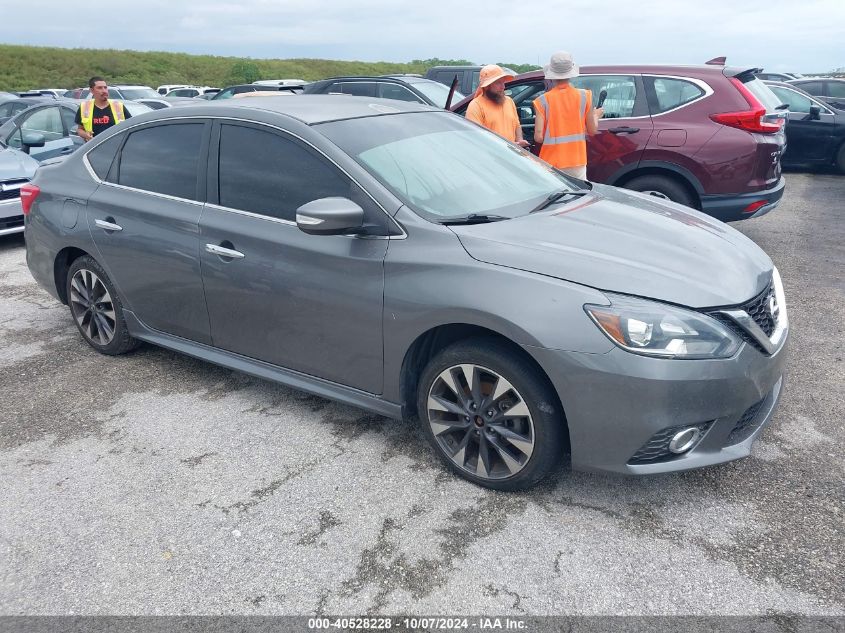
(11, 216)
(619, 405)
(731, 207)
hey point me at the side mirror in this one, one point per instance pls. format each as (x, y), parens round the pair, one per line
(330, 216)
(526, 113)
(815, 113)
(32, 139)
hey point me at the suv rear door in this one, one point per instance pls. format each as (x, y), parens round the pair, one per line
(625, 128)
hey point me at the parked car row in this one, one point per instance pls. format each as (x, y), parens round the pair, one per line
(666, 130)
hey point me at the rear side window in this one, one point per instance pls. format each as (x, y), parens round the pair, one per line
(764, 95)
(836, 89)
(271, 175)
(100, 158)
(671, 93)
(392, 91)
(163, 159)
(813, 87)
(445, 77)
(621, 93)
(357, 88)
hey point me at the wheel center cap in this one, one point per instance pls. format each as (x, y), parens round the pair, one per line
(479, 421)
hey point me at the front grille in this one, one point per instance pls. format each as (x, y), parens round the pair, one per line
(745, 426)
(11, 189)
(737, 329)
(656, 450)
(11, 223)
(760, 310)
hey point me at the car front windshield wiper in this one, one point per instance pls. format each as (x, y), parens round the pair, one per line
(557, 196)
(474, 218)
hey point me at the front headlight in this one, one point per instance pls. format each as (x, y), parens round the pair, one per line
(658, 329)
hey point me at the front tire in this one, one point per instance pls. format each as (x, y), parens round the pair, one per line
(490, 415)
(662, 187)
(96, 308)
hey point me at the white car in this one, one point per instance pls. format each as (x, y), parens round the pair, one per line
(281, 82)
(163, 90)
(191, 91)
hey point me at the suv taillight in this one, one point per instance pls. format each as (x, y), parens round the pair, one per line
(754, 120)
(28, 195)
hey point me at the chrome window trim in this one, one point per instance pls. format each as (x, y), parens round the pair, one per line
(708, 90)
(128, 125)
(153, 193)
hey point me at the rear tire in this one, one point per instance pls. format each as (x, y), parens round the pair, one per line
(96, 308)
(662, 187)
(491, 415)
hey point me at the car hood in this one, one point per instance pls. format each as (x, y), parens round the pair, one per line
(629, 243)
(15, 165)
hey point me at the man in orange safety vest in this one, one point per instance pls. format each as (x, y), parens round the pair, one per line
(564, 117)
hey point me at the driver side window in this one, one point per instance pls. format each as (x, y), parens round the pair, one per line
(46, 121)
(796, 102)
(69, 119)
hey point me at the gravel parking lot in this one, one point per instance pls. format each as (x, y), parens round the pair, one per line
(157, 484)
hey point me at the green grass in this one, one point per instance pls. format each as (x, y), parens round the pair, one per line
(25, 67)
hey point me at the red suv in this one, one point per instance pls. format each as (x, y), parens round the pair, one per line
(709, 137)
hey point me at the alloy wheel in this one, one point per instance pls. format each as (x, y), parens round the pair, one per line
(92, 307)
(480, 421)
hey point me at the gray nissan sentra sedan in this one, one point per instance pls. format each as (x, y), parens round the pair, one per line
(400, 259)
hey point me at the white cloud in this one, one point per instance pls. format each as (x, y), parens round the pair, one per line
(777, 34)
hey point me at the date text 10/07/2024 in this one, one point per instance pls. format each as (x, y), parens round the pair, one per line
(415, 623)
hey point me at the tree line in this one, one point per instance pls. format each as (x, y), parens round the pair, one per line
(26, 67)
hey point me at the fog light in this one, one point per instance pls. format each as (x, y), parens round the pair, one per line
(684, 440)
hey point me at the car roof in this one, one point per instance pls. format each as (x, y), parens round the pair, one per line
(662, 69)
(382, 78)
(309, 109)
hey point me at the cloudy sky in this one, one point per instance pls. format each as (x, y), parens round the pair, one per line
(806, 35)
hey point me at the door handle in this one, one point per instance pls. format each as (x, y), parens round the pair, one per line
(624, 130)
(67, 150)
(224, 252)
(108, 226)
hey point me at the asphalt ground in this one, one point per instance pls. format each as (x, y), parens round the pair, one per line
(157, 484)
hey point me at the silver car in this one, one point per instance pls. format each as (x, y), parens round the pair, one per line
(398, 258)
(16, 170)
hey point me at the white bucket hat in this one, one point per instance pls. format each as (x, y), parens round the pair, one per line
(561, 66)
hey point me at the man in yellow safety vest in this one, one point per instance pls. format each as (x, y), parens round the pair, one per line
(98, 115)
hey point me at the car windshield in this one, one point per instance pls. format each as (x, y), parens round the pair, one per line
(443, 167)
(437, 92)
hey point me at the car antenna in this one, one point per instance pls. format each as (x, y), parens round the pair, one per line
(717, 61)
